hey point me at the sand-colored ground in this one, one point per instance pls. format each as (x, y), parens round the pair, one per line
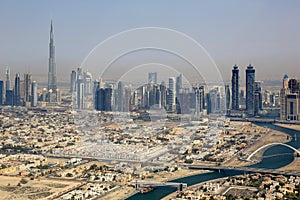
(33, 189)
(290, 126)
(271, 137)
(119, 193)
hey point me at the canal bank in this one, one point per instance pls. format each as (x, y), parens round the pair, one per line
(272, 162)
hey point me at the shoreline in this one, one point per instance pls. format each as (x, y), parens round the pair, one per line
(295, 127)
(263, 139)
(127, 192)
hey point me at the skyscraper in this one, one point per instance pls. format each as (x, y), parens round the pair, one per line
(257, 97)
(7, 78)
(27, 83)
(34, 94)
(178, 83)
(96, 87)
(120, 97)
(152, 77)
(9, 97)
(88, 85)
(290, 99)
(104, 99)
(73, 81)
(80, 89)
(1, 92)
(199, 95)
(17, 91)
(172, 94)
(235, 88)
(227, 94)
(52, 65)
(250, 79)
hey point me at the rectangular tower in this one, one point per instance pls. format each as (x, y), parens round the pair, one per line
(235, 88)
(250, 79)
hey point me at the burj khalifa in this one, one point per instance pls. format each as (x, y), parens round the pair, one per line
(52, 85)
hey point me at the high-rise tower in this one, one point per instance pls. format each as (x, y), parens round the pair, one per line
(27, 83)
(7, 79)
(1, 92)
(235, 88)
(250, 79)
(152, 77)
(34, 94)
(73, 81)
(17, 91)
(172, 94)
(290, 99)
(52, 66)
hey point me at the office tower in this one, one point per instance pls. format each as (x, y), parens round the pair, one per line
(184, 101)
(163, 94)
(9, 97)
(178, 83)
(257, 98)
(80, 89)
(108, 99)
(127, 96)
(152, 77)
(250, 79)
(87, 77)
(34, 94)
(290, 99)
(154, 96)
(1, 92)
(27, 87)
(119, 97)
(199, 99)
(17, 91)
(22, 92)
(80, 94)
(7, 78)
(215, 102)
(172, 94)
(235, 88)
(227, 94)
(103, 99)
(73, 81)
(52, 65)
(99, 99)
(95, 88)
(283, 92)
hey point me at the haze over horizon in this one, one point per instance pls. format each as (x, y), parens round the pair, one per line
(263, 33)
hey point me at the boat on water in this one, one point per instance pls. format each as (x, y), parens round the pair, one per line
(147, 189)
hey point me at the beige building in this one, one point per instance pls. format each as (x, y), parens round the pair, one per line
(290, 99)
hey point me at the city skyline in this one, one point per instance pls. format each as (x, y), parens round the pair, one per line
(149, 99)
(270, 43)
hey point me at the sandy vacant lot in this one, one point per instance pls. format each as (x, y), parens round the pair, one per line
(33, 189)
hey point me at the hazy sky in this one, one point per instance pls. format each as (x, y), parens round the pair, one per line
(263, 32)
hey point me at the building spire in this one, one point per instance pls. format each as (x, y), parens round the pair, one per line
(52, 66)
(51, 31)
